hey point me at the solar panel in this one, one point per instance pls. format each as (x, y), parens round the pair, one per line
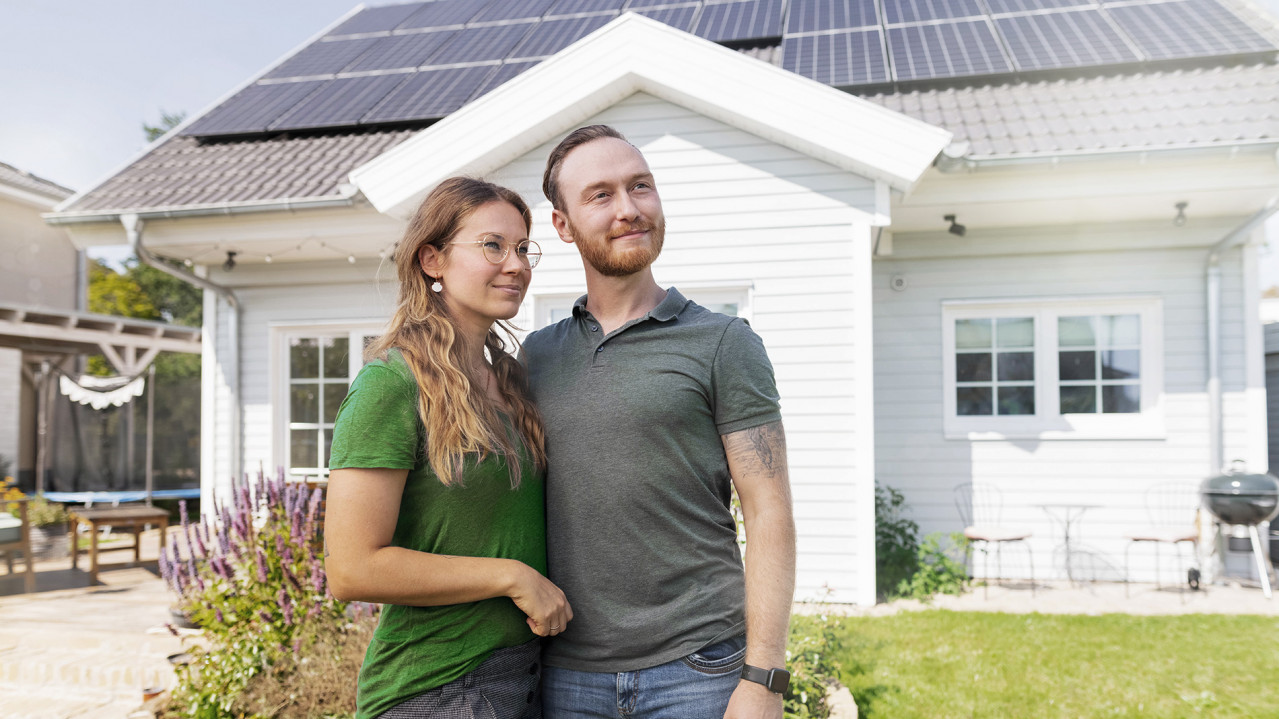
(376, 19)
(521, 10)
(551, 36)
(340, 102)
(680, 18)
(1187, 29)
(854, 57)
(948, 50)
(1077, 38)
(326, 57)
(401, 51)
(444, 12)
(898, 11)
(818, 15)
(725, 22)
(504, 73)
(478, 44)
(430, 93)
(253, 108)
(570, 7)
(642, 4)
(1005, 6)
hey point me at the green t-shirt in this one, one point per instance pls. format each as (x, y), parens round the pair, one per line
(416, 649)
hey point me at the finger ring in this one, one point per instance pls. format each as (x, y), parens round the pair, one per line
(555, 628)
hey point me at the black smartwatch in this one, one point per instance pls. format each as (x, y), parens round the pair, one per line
(775, 679)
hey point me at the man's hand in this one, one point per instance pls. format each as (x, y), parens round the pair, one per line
(753, 701)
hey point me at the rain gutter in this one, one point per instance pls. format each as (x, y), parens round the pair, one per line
(1212, 272)
(347, 198)
(957, 156)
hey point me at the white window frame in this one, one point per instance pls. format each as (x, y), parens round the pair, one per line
(281, 335)
(1048, 423)
(740, 293)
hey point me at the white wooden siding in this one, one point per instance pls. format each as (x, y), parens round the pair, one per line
(10, 406)
(743, 211)
(912, 454)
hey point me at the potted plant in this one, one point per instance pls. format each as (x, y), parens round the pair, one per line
(48, 521)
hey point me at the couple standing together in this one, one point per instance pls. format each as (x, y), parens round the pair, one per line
(585, 499)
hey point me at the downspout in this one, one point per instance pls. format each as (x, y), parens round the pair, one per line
(1212, 270)
(133, 225)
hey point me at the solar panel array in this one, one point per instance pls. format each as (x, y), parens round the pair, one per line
(423, 60)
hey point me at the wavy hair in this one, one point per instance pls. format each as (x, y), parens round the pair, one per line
(459, 418)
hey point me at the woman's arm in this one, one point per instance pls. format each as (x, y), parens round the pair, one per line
(362, 565)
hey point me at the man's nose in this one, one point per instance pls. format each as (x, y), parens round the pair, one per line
(625, 206)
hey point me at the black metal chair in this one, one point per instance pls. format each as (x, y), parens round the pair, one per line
(981, 509)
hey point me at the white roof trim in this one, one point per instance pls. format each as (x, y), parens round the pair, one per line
(635, 54)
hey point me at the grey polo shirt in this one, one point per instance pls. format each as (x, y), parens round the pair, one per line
(639, 532)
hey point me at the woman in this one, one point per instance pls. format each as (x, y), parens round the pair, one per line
(435, 498)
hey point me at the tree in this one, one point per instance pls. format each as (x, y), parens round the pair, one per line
(168, 121)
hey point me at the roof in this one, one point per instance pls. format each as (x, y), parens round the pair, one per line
(635, 54)
(1201, 95)
(26, 182)
(1191, 108)
(182, 172)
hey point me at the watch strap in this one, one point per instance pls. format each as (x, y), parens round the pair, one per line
(777, 680)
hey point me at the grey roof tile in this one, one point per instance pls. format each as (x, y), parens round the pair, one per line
(24, 180)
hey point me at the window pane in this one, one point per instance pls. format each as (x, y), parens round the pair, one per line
(1121, 364)
(1121, 330)
(972, 334)
(724, 308)
(1016, 400)
(328, 447)
(973, 401)
(1015, 332)
(304, 403)
(304, 358)
(1016, 366)
(303, 446)
(336, 357)
(334, 393)
(1075, 332)
(972, 367)
(1120, 398)
(1077, 365)
(1079, 400)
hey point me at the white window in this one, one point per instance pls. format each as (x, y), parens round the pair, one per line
(314, 368)
(1053, 368)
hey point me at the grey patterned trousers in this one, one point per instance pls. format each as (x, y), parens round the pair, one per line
(507, 685)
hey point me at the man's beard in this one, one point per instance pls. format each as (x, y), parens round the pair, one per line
(610, 261)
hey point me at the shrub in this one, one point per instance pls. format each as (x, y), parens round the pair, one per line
(252, 578)
(937, 569)
(40, 512)
(896, 542)
(812, 655)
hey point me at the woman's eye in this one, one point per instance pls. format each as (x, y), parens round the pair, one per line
(493, 245)
(522, 249)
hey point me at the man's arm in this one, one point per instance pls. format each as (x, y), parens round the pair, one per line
(757, 461)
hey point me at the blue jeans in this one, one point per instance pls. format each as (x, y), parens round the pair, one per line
(697, 686)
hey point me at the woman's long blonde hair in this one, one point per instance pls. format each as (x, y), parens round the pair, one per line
(460, 419)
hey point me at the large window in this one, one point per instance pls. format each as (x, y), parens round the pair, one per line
(1053, 368)
(315, 367)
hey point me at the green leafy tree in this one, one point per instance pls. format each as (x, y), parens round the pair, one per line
(168, 121)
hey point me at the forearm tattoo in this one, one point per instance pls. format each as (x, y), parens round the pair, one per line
(768, 442)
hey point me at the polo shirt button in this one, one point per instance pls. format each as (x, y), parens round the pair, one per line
(594, 328)
(600, 348)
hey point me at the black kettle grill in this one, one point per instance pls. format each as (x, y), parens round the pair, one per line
(1239, 498)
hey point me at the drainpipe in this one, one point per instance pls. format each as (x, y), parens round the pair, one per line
(1212, 270)
(133, 225)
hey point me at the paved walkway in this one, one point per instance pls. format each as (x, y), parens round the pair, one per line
(74, 651)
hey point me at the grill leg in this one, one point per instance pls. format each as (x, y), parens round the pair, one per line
(1262, 573)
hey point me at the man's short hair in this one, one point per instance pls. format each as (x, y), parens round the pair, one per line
(575, 139)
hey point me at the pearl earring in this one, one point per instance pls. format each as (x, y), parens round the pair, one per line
(437, 287)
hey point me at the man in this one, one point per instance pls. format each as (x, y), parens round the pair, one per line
(653, 407)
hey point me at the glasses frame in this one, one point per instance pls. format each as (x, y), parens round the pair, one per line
(531, 259)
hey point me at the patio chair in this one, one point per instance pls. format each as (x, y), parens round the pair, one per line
(1170, 510)
(14, 536)
(981, 509)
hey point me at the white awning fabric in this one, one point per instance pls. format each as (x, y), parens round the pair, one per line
(99, 392)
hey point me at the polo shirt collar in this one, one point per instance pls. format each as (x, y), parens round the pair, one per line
(667, 309)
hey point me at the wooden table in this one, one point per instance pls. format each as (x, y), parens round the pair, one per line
(131, 518)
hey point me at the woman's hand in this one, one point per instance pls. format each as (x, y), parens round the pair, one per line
(544, 603)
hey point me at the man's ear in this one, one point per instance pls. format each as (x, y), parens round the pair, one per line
(431, 260)
(560, 221)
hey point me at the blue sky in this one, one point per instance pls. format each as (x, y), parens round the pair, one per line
(79, 77)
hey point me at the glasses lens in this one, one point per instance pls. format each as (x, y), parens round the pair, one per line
(494, 251)
(531, 252)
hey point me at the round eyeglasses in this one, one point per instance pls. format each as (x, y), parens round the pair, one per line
(495, 250)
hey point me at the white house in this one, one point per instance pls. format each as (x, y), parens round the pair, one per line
(1058, 349)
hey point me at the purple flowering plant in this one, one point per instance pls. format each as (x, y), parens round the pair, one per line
(251, 574)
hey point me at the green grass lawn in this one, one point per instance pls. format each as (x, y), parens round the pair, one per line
(939, 664)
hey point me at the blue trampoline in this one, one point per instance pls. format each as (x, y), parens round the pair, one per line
(137, 495)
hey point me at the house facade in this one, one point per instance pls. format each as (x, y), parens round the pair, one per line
(1056, 349)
